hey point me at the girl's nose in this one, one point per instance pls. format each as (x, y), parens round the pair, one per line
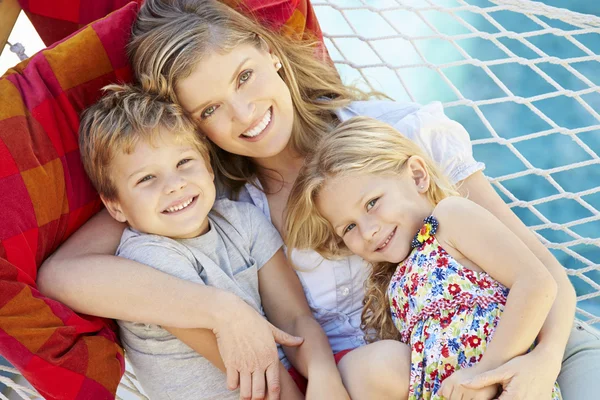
(369, 229)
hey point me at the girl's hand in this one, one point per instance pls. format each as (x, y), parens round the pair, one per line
(453, 387)
(530, 376)
(326, 386)
(246, 342)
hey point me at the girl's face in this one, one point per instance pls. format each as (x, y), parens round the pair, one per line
(240, 102)
(376, 216)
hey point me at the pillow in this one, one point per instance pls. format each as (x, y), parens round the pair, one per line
(45, 195)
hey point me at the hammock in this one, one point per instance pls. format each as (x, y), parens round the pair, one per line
(417, 50)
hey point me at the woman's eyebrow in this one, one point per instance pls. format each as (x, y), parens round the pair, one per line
(235, 74)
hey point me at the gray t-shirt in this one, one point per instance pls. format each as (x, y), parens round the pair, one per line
(240, 241)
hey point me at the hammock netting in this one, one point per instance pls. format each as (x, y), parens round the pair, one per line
(522, 77)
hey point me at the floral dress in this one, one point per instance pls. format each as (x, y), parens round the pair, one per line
(444, 311)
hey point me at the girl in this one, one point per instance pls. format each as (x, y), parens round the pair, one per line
(442, 265)
(234, 77)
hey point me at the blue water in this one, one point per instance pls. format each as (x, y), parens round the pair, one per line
(509, 119)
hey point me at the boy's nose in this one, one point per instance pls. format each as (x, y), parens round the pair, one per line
(175, 184)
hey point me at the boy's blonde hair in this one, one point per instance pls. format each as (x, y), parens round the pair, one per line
(357, 146)
(170, 37)
(125, 115)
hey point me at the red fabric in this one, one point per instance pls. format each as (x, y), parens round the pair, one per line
(45, 195)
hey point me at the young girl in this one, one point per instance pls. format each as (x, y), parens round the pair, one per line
(442, 265)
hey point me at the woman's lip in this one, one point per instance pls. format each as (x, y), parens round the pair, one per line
(390, 236)
(262, 134)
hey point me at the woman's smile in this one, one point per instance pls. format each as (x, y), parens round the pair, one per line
(259, 130)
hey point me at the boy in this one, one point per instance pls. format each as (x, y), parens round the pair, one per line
(152, 171)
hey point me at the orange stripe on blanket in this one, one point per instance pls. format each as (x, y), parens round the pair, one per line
(71, 63)
(12, 105)
(46, 187)
(29, 320)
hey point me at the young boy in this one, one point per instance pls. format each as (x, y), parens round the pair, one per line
(152, 171)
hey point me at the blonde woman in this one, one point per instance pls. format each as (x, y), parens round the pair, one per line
(442, 265)
(264, 101)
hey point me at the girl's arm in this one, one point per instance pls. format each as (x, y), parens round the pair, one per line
(476, 234)
(286, 307)
(85, 275)
(554, 334)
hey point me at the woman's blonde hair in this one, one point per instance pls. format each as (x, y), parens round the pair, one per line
(357, 146)
(170, 37)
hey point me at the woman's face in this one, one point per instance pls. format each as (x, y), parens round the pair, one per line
(240, 101)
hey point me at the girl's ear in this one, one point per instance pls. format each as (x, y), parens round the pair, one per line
(418, 170)
(114, 209)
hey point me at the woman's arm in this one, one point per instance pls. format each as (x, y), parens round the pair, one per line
(554, 334)
(286, 307)
(204, 342)
(85, 275)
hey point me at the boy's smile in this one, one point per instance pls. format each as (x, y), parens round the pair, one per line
(164, 188)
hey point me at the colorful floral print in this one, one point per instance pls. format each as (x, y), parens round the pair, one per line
(444, 311)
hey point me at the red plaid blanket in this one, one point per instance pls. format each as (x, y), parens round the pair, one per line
(44, 192)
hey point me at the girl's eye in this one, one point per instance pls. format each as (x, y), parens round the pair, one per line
(245, 76)
(208, 112)
(371, 204)
(184, 161)
(145, 179)
(349, 228)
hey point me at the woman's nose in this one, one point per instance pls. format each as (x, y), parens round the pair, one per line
(243, 111)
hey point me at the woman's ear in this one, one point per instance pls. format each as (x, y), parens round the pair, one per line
(420, 175)
(114, 209)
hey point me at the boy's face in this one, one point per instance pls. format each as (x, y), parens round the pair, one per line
(164, 188)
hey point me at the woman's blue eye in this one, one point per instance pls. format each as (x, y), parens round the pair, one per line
(208, 112)
(184, 161)
(371, 204)
(349, 228)
(145, 179)
(245, 76)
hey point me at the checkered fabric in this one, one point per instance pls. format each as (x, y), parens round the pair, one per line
(45, 195)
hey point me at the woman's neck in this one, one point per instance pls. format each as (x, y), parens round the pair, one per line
(279, 171)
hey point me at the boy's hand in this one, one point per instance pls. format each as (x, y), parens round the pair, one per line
(453, 389)
(246, 342)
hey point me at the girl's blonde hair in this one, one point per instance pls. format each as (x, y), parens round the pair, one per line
(357, 146)
(170, 37)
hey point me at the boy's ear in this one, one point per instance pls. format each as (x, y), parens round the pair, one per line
(419, 173)
(114, 209)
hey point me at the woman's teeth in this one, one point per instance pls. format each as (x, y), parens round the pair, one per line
(257, 130)
(180, 207)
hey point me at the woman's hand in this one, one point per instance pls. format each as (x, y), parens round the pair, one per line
(453, 387)
(246, 342)
(530, 376)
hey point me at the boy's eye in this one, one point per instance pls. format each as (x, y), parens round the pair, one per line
(245, 76)
(371, 204)
(184, 161)
(208, 112)
(348, 228)
(145, 179)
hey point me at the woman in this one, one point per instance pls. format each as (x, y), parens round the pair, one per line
(264, 101)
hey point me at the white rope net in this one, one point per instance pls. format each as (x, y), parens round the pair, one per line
(523, 77)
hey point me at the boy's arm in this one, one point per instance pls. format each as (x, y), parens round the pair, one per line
(204, 342)
(483, 239)
(286, 307)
